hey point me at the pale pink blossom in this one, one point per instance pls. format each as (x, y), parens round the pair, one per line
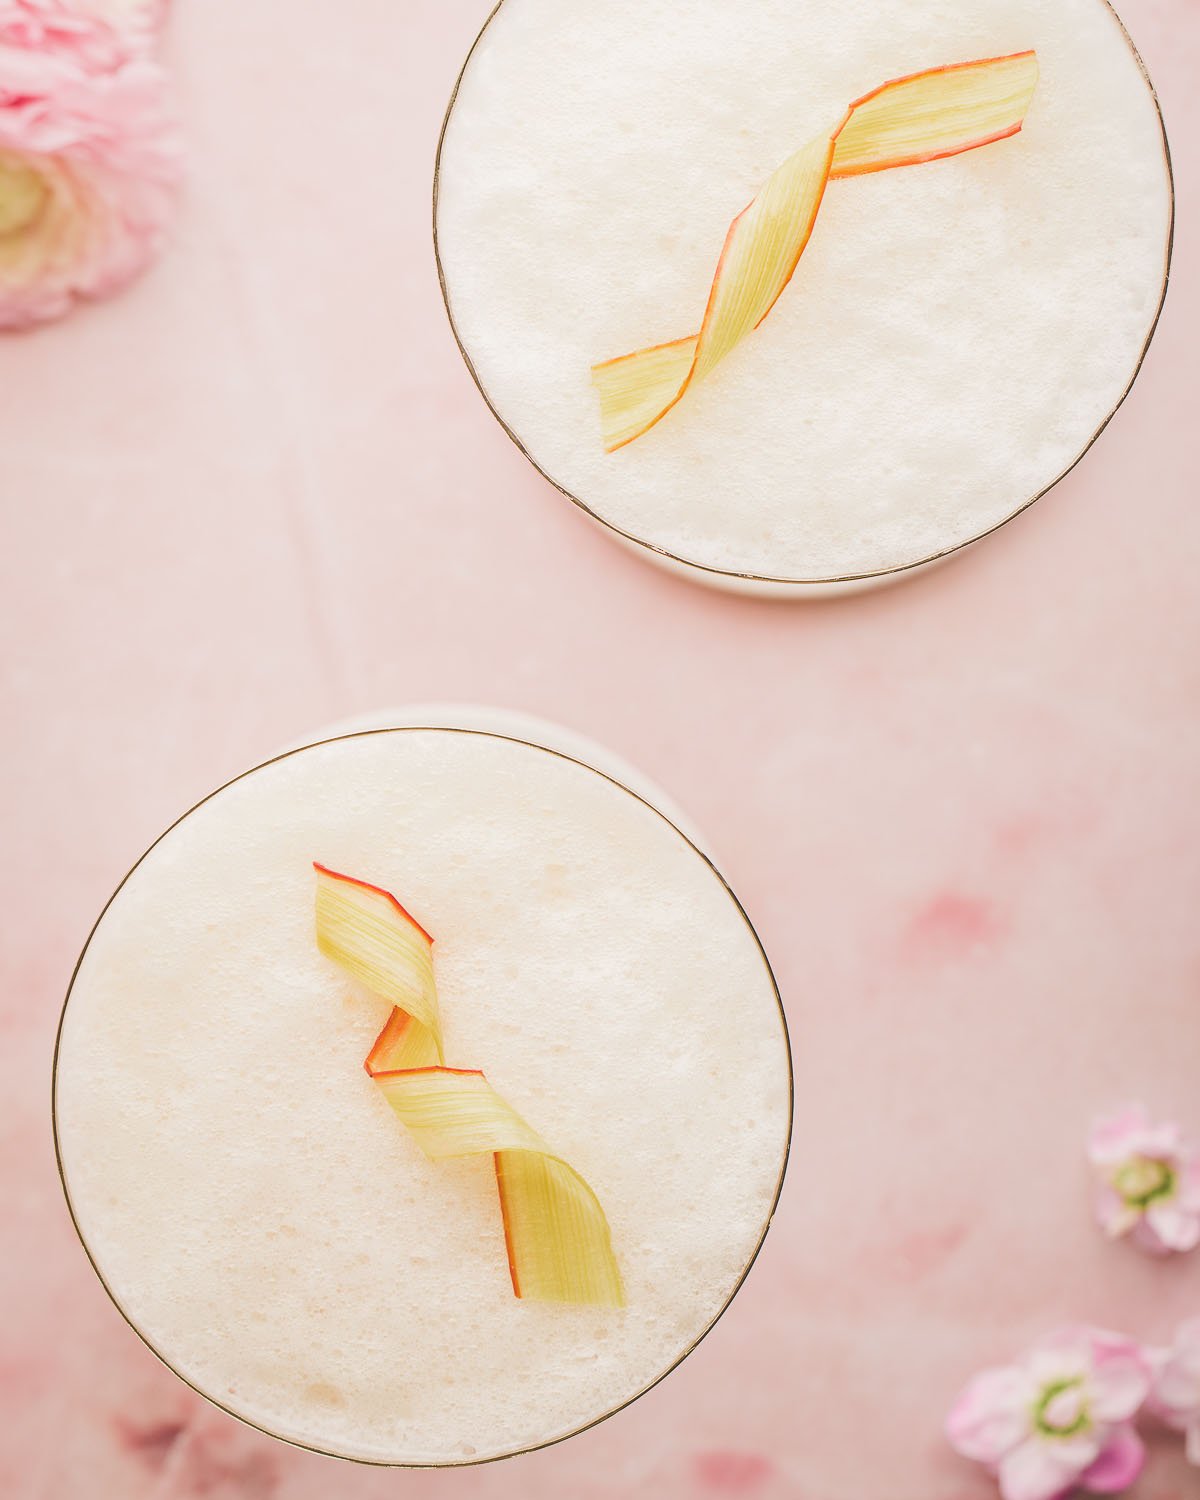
(1060, 1420)
(1149, 1182)
(1176, 1394)
(88, 158)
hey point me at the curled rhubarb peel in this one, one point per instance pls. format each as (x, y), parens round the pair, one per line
(403, 1043)
(556, 1234)
(558, 1240)
(925, 117)
(368, 933)
(557, 1237)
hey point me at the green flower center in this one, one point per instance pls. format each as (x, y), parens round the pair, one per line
(1062, 1409)
(1143, 1180)
(23, 194)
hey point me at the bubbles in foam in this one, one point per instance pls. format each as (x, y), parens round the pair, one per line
(956, 332)
(250, 1198)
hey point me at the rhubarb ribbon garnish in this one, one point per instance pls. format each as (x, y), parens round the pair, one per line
(939, 113)
(558, 1240)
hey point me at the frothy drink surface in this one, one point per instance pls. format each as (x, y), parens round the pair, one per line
(250, 1199)
(956, 332)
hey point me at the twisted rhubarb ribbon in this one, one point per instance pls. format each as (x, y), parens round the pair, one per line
(921, 118)
(557, 1236)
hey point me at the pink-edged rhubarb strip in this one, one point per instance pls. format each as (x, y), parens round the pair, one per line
(403, 1043)
(921, 118)
(369, 934)
(556, 1234)
(555, 1231)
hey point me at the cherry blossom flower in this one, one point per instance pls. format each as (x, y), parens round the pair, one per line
(1149, 1182)
(1059, 1420)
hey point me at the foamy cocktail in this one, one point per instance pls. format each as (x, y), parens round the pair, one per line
(791, 293)
(557, 1163)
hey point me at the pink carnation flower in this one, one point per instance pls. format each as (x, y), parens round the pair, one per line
(1176, 1394)
(1060, 1420)
(88, 159)
(1149, 1182)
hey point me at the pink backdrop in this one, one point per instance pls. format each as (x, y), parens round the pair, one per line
(260, 493)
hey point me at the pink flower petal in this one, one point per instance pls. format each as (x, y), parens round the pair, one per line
(1146, 1238)
(1162, 1142)
(1061, 1355)
(1113, 1214)
(1193, 1444)
(1075, 1454)
(1119, 1463)
(1176, 1394)
(1032, 1472)
(1188, 1192)
(1115, 1138)
(1175, 1398)
(138, 21)
(1120, 1380)
(1175, 1227)
(991, 1416)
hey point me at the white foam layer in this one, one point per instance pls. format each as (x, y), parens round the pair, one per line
(956, 333)
(515, 724)
(251, 1200)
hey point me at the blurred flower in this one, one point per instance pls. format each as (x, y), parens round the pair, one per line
(143, 18)
(1149, 1182)
(88, 158)
(1176, 1394)
(1059, 1420)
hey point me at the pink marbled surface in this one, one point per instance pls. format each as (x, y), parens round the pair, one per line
(260, 493)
